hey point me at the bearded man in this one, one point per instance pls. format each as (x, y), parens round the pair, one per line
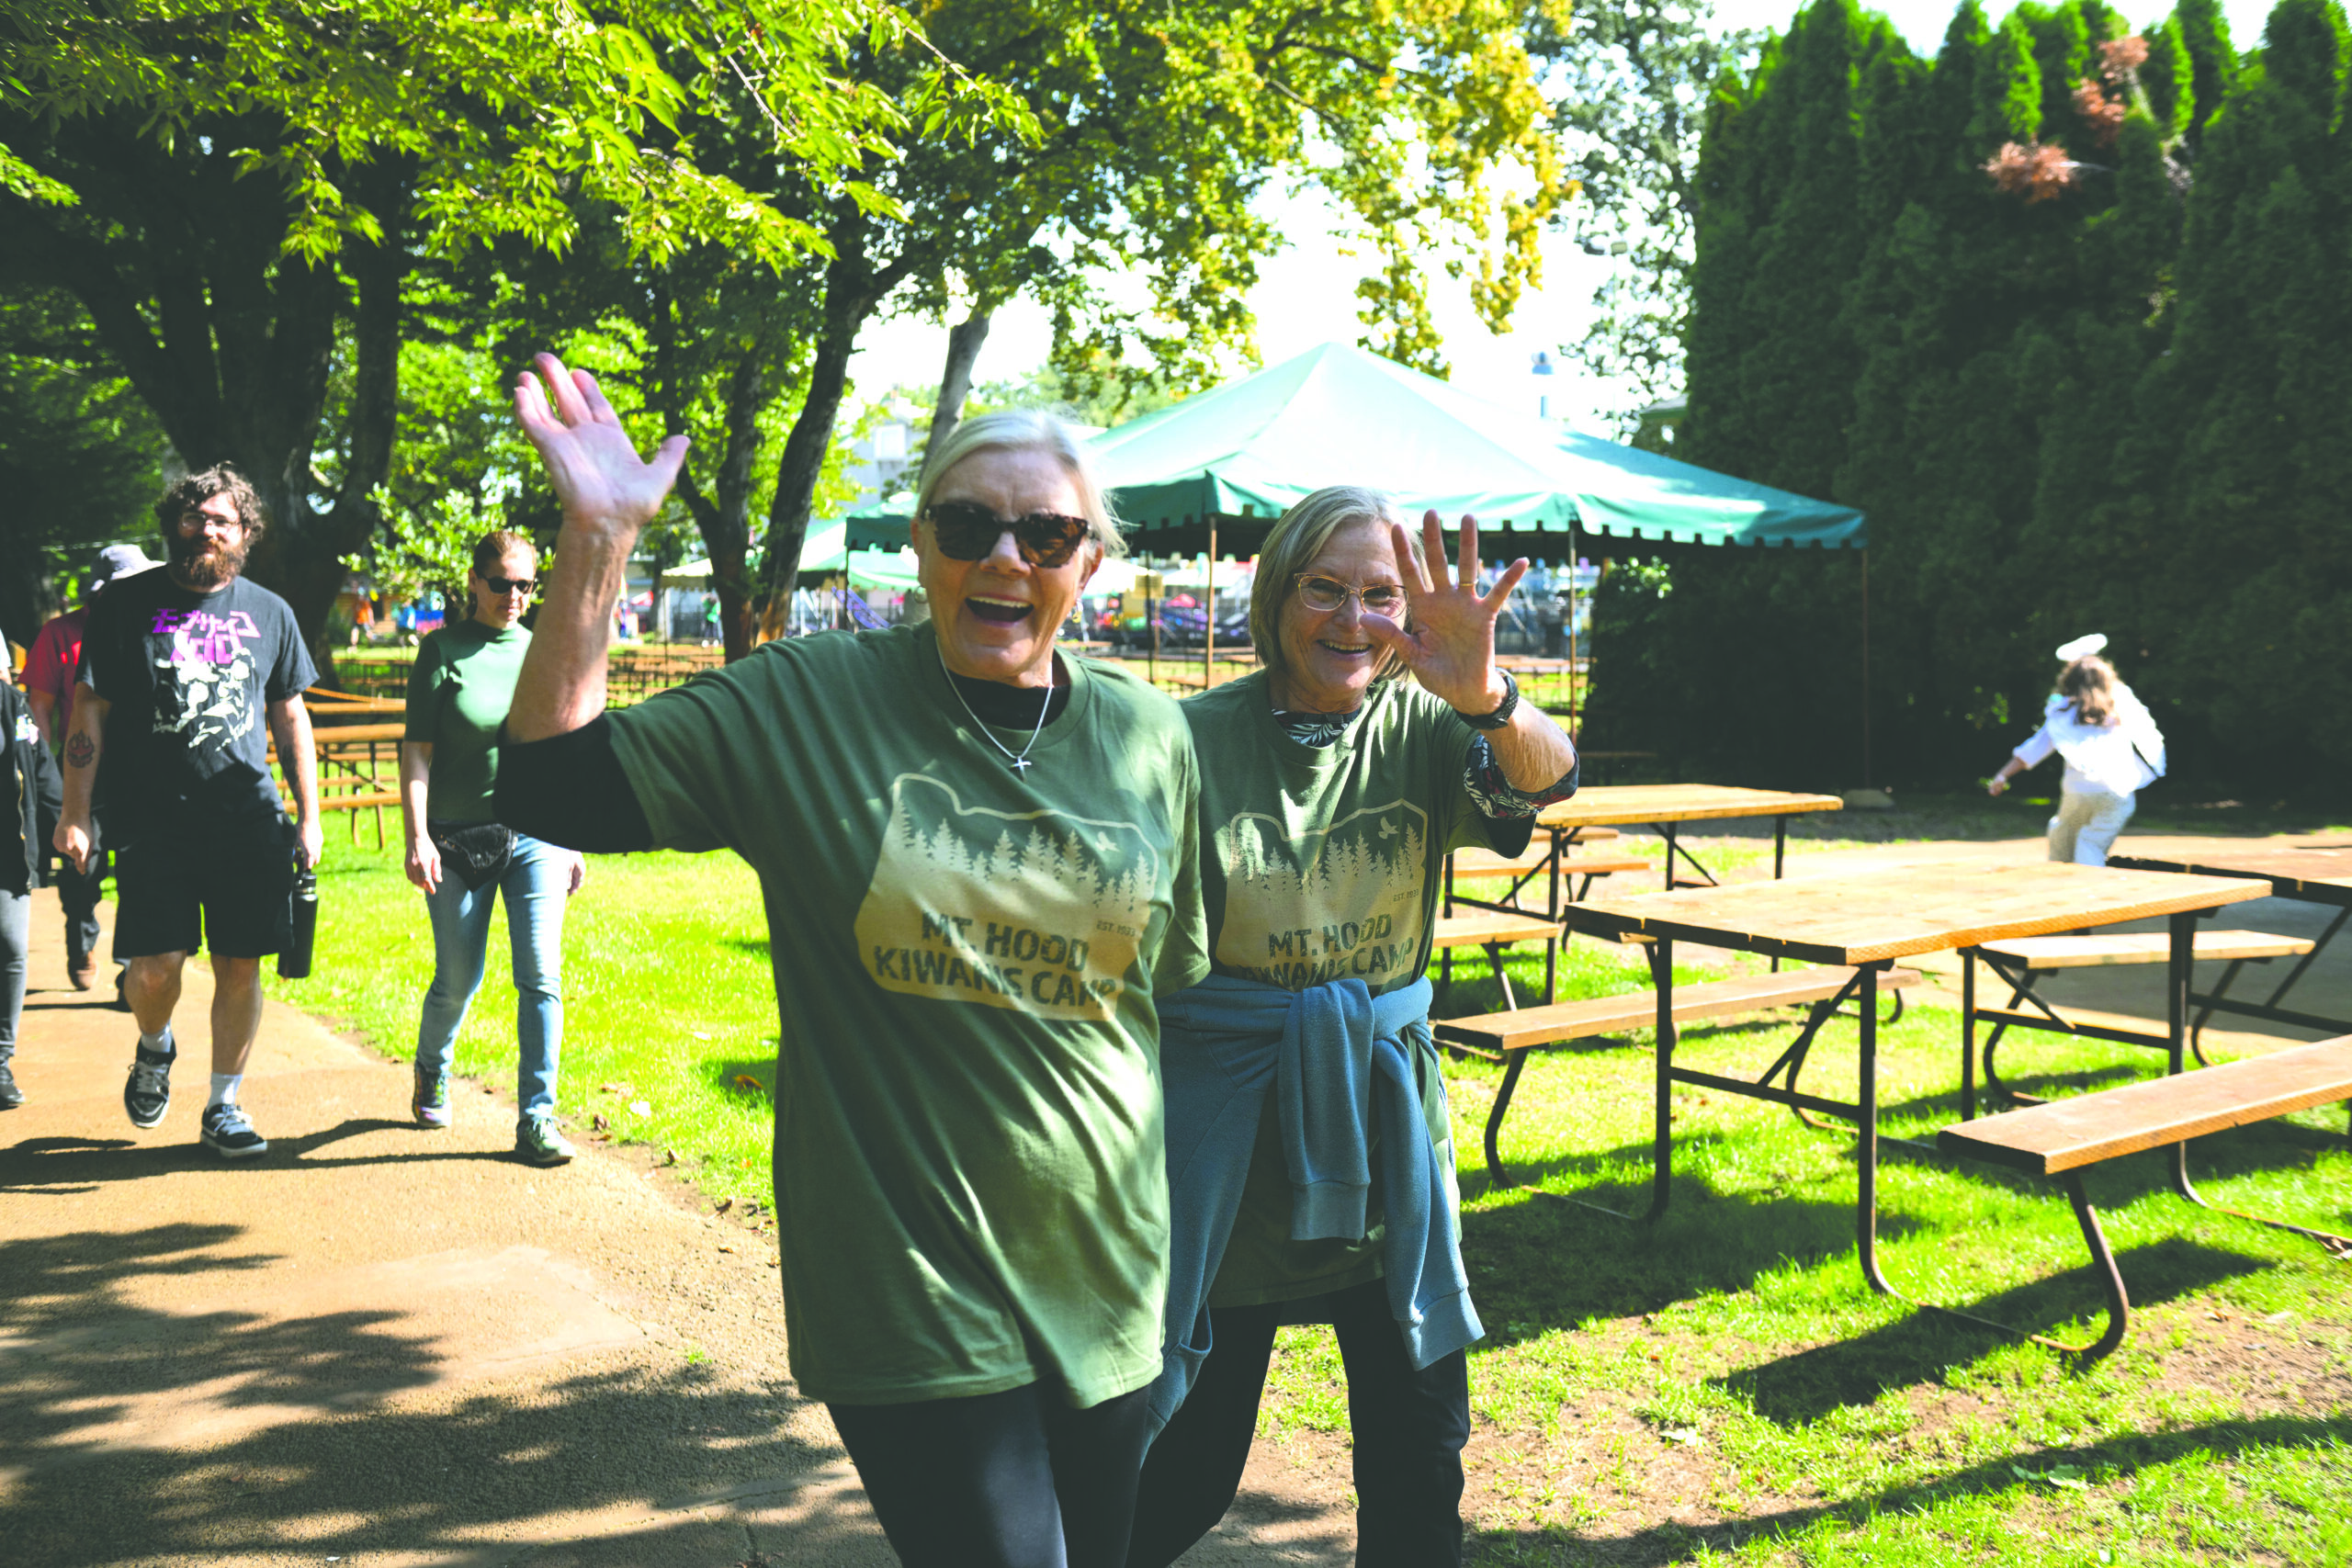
(180, 669)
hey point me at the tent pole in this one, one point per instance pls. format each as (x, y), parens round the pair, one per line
(1573, 725)
(1866, 667)
(1208, 630)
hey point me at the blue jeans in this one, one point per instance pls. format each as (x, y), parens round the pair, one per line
(534, 884)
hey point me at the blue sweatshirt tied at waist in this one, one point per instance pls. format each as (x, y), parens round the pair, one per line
(1336, 1057)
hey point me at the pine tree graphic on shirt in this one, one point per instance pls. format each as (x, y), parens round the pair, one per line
(1343, 902)
(1040, 912)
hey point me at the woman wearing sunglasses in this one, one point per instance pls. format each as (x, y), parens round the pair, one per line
(458, 692)
(977, 862)
(1309, 1154)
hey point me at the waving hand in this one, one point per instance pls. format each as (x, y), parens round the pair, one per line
(1448, 641)
(599, 478)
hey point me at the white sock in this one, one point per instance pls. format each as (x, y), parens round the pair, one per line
(224, 1090)
(161, 1041)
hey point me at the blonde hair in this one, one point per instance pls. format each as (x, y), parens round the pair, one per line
(1292, 547)
(2089, 683)
(1026, 430)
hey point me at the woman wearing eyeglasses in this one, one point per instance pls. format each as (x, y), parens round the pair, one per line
(1310, 1157)
(976, 856)
(465, 860)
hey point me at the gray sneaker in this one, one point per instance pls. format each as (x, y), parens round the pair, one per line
(149, 1093)
(539, 1143)
(228, 1134)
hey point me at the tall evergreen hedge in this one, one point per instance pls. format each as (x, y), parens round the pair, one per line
(2117, 399)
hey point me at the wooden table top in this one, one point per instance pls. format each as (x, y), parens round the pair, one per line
(1895, 914)
(2322, 875)
(1677, 803)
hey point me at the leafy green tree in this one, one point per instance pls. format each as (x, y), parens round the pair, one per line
(1156, 126)
(2252, 446)
(81, 459)
(2077, 339)
(236, 196)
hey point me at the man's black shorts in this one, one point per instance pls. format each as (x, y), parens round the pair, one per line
(225, 886)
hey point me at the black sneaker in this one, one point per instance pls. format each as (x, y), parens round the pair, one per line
(228, 1134)
(149, 1093)
(11, 1096)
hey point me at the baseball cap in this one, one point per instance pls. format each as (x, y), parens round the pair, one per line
(117, 561)
(2082, 647)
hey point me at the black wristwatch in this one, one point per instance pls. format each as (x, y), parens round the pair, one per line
(1501, 717)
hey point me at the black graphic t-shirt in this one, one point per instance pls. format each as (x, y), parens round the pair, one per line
(190, 678)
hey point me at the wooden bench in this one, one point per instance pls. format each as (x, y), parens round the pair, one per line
(358, 770)
(1508, 1036)
(2064, 1137)
(1536, 860)
(1492, 929)
(1547, 857)
(2021, 961)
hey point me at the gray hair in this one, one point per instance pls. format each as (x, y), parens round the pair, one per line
(1292, 547)
(1019, 430)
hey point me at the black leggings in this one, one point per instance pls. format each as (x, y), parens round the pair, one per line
(1409, 1427)
(1014, 1480)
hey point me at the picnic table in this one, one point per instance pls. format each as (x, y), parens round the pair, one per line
(1865, 922)
(1667, 807)
(2319, 875)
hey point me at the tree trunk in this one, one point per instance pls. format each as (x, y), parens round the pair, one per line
(727, 549)
(723, 517)
(964, 341)
(803, 453)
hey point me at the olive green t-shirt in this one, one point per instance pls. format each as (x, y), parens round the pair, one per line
(969, 1165)
(1319, 863)
(458, 692)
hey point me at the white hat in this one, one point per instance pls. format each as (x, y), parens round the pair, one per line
(119, 560)
(2082, 647)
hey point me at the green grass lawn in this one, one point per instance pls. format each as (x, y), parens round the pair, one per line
(1719, 1388)
(666, 994)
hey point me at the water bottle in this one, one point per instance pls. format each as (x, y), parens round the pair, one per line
(294, 959)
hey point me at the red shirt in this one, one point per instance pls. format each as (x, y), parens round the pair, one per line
(54, 660)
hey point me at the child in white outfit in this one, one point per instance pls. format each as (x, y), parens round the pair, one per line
(2112, 749)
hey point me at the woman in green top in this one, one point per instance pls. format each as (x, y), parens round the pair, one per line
(1331, 793)
(457, 695)
(976, 856)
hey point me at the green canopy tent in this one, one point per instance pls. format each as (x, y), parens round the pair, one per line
(1232, 460)
(1338, 414)
(1215, 471)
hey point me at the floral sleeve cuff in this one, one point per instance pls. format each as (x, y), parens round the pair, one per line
(1495, 796)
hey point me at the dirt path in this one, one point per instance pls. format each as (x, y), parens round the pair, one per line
(378, 1346)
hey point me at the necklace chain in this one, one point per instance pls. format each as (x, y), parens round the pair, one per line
(1020, 763)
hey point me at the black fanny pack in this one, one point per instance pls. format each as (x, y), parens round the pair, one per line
(476, 853)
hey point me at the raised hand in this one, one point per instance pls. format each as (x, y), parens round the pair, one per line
(599, 478)
(1448, 641)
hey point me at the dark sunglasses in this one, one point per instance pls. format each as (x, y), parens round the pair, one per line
(509, 584)
(967, 531)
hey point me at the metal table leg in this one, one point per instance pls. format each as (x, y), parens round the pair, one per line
(1866, 1136)
(1495, 1173)
(1662, 1150)
(1968, 1034)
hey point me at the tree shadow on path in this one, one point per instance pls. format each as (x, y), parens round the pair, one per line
(132, 1434)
